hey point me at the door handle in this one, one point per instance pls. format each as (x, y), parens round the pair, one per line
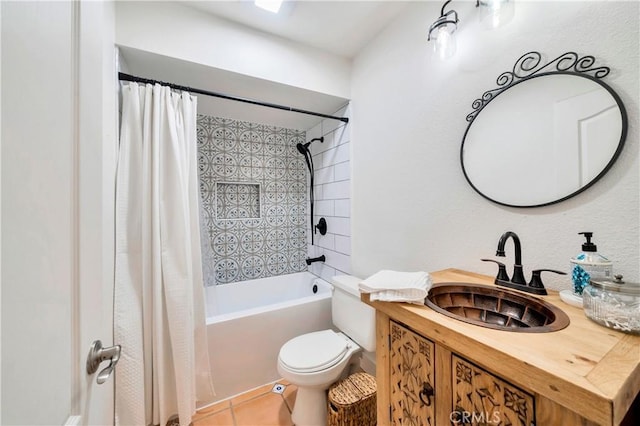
(427, 391)
(98, 354)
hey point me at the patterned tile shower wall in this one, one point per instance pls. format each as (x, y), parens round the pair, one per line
(253, 183)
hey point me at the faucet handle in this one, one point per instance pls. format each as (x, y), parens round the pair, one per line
(536, 280)
(502, 270)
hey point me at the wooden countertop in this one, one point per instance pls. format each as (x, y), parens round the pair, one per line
(590, 369)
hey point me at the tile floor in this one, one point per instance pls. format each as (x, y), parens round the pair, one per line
(264, 406)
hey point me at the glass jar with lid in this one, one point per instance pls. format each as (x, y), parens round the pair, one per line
(614, 304)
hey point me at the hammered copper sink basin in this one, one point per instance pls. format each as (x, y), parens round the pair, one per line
(495, 307)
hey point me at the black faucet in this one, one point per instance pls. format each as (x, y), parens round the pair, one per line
(315, 259)
(518, 276)
(517, 281)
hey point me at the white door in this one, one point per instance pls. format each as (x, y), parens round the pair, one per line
(57, 188)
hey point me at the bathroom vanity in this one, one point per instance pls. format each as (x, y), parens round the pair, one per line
(436, 370)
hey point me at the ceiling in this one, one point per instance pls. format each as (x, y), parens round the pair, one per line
(339, 27)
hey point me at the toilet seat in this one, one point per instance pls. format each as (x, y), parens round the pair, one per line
(314, 352)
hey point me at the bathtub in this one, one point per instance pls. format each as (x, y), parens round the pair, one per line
(249, 321)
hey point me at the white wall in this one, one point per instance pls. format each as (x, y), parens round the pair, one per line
(413, 209)
(178, 31)
(332, 190)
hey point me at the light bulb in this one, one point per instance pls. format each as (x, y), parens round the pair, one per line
(445, 43)
(494, 13)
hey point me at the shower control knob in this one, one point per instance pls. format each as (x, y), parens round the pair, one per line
(322, 226)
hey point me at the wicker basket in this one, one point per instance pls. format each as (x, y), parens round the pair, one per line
(352, 401)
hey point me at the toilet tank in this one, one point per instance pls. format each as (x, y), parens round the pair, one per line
(351, 316)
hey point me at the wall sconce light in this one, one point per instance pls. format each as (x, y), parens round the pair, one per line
(494, 13)
(441, 32)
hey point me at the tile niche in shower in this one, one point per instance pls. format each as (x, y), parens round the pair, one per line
(253, 184)
(237, 200)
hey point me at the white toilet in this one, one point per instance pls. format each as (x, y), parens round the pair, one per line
(314, 361)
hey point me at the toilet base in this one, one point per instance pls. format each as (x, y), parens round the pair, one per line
(310, 408)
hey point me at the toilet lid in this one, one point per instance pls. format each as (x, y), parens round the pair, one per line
(313, 351)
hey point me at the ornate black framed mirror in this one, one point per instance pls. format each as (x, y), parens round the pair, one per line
(546, 133)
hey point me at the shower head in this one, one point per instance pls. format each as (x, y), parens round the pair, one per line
(303, 148)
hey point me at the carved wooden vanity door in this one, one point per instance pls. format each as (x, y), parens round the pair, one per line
(412, 378)
(482, 398)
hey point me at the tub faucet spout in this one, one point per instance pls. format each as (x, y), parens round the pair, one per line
(518, 275)
(314, 259)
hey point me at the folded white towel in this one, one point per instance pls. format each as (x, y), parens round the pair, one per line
(394, 286)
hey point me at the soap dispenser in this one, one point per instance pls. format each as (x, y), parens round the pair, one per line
(589, 265)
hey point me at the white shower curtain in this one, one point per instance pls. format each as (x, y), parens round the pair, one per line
(159, 316)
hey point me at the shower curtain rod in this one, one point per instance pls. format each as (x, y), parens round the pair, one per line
(129, 77)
